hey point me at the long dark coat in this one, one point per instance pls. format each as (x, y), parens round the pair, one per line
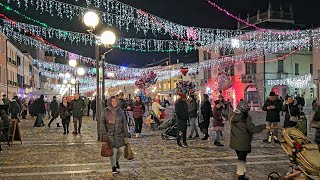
(63, 109)
(39, 106)
(114, 133)
(206, 112)
(181, 109)
(78, 107)
(242, 130)
(273, 115)
(54, 108)
(217, 114)
(294, 111)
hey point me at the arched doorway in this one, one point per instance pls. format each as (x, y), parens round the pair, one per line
(251, 95)
(281, 90)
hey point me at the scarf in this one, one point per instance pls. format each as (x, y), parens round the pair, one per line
(112, 115)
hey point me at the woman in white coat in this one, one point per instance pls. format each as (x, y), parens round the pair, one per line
(156, 108)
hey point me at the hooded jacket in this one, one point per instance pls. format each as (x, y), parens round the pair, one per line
(242, 130)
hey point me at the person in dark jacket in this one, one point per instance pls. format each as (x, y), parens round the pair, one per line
(94, 110)
(219, 119)
(39, 110)
(273, 107)
(54, 109)
(193, 114)
(6, 103)
(242, 130)
(89, 107)
(181, 109)
(14, 109)
(65, 110)
(302, 102)
(291, 109)
(31, 107)
(113, 128)
(78, 106)
(206, 114)
(138, 111)
(16, 97)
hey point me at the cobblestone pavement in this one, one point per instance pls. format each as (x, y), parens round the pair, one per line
(48, 154)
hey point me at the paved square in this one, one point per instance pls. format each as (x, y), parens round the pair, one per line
(48, 154)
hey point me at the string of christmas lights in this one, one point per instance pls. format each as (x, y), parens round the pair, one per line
(305, 81)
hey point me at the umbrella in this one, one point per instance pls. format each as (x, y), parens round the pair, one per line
(43, 92)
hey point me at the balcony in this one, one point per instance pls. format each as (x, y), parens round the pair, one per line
(248, 78)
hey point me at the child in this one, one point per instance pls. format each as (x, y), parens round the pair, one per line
(242, 130)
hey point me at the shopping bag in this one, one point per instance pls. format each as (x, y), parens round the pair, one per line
(128, 154)
(106, 150)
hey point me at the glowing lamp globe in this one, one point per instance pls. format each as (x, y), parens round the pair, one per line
(108, 38)
(72, 63)
(68, 75)
(81, 71)
(73, 81)
(235, 43)
(91, 19)
(65, 81)
(69, 85)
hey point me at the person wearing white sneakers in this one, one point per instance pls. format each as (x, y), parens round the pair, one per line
(138, 111)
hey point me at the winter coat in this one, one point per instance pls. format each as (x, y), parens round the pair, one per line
(5, 118)
(273, 115)
(123, 104)
(193, 109)
(39, 106)
(156, 109)
(78, 107)
(181, 109)
(242, 131)
(6, 101)
(63, 109)
(94, 105)
(86, 102)
(138, 110)
(114, 133)
(54, 108)
(294, 111)
(317, 135)
(14, 108)
(206, 112)
(217, 113)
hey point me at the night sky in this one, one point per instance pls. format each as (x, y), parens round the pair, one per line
(197, 13)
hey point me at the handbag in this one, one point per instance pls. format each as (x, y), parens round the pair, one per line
(292, 118)
(68, 113)
(106, 150)
(128, 154)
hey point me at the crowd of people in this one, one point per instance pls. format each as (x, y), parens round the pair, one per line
(188, 112)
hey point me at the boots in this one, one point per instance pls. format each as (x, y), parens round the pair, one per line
(243, 177)
(58, 125)
(205, 137)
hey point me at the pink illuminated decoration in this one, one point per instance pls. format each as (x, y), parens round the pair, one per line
(73, 56)
(247, 23)
(192, 34)
(224, 82)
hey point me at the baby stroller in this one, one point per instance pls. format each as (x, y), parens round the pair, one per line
(155, 124)
(170, 131)
(304, 156)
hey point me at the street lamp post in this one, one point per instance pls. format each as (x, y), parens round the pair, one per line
(107, 38)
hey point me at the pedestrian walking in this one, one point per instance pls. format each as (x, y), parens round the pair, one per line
(54, 109)
(206, 114)
(273, 107)
(31, 107)
(292, 110)
(14, 109)
(219, 119)
(24, 105)
(242, 130)
(193, 114)
(86, 102)
(78, 106)
(113, 128)
(89, 107)
(138, 111)
(39, 110)
(65, 114)
(48, 111)
(181, 109)
(6, 103)
(94, 109)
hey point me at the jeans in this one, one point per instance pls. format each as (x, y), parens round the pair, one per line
(65, 124)
(138, 125)
(182, 131)
(75, 123)
(193, 126)
(218, 136)
(275, 131)
(117, 153)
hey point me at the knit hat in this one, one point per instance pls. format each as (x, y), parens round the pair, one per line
(243, 106)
